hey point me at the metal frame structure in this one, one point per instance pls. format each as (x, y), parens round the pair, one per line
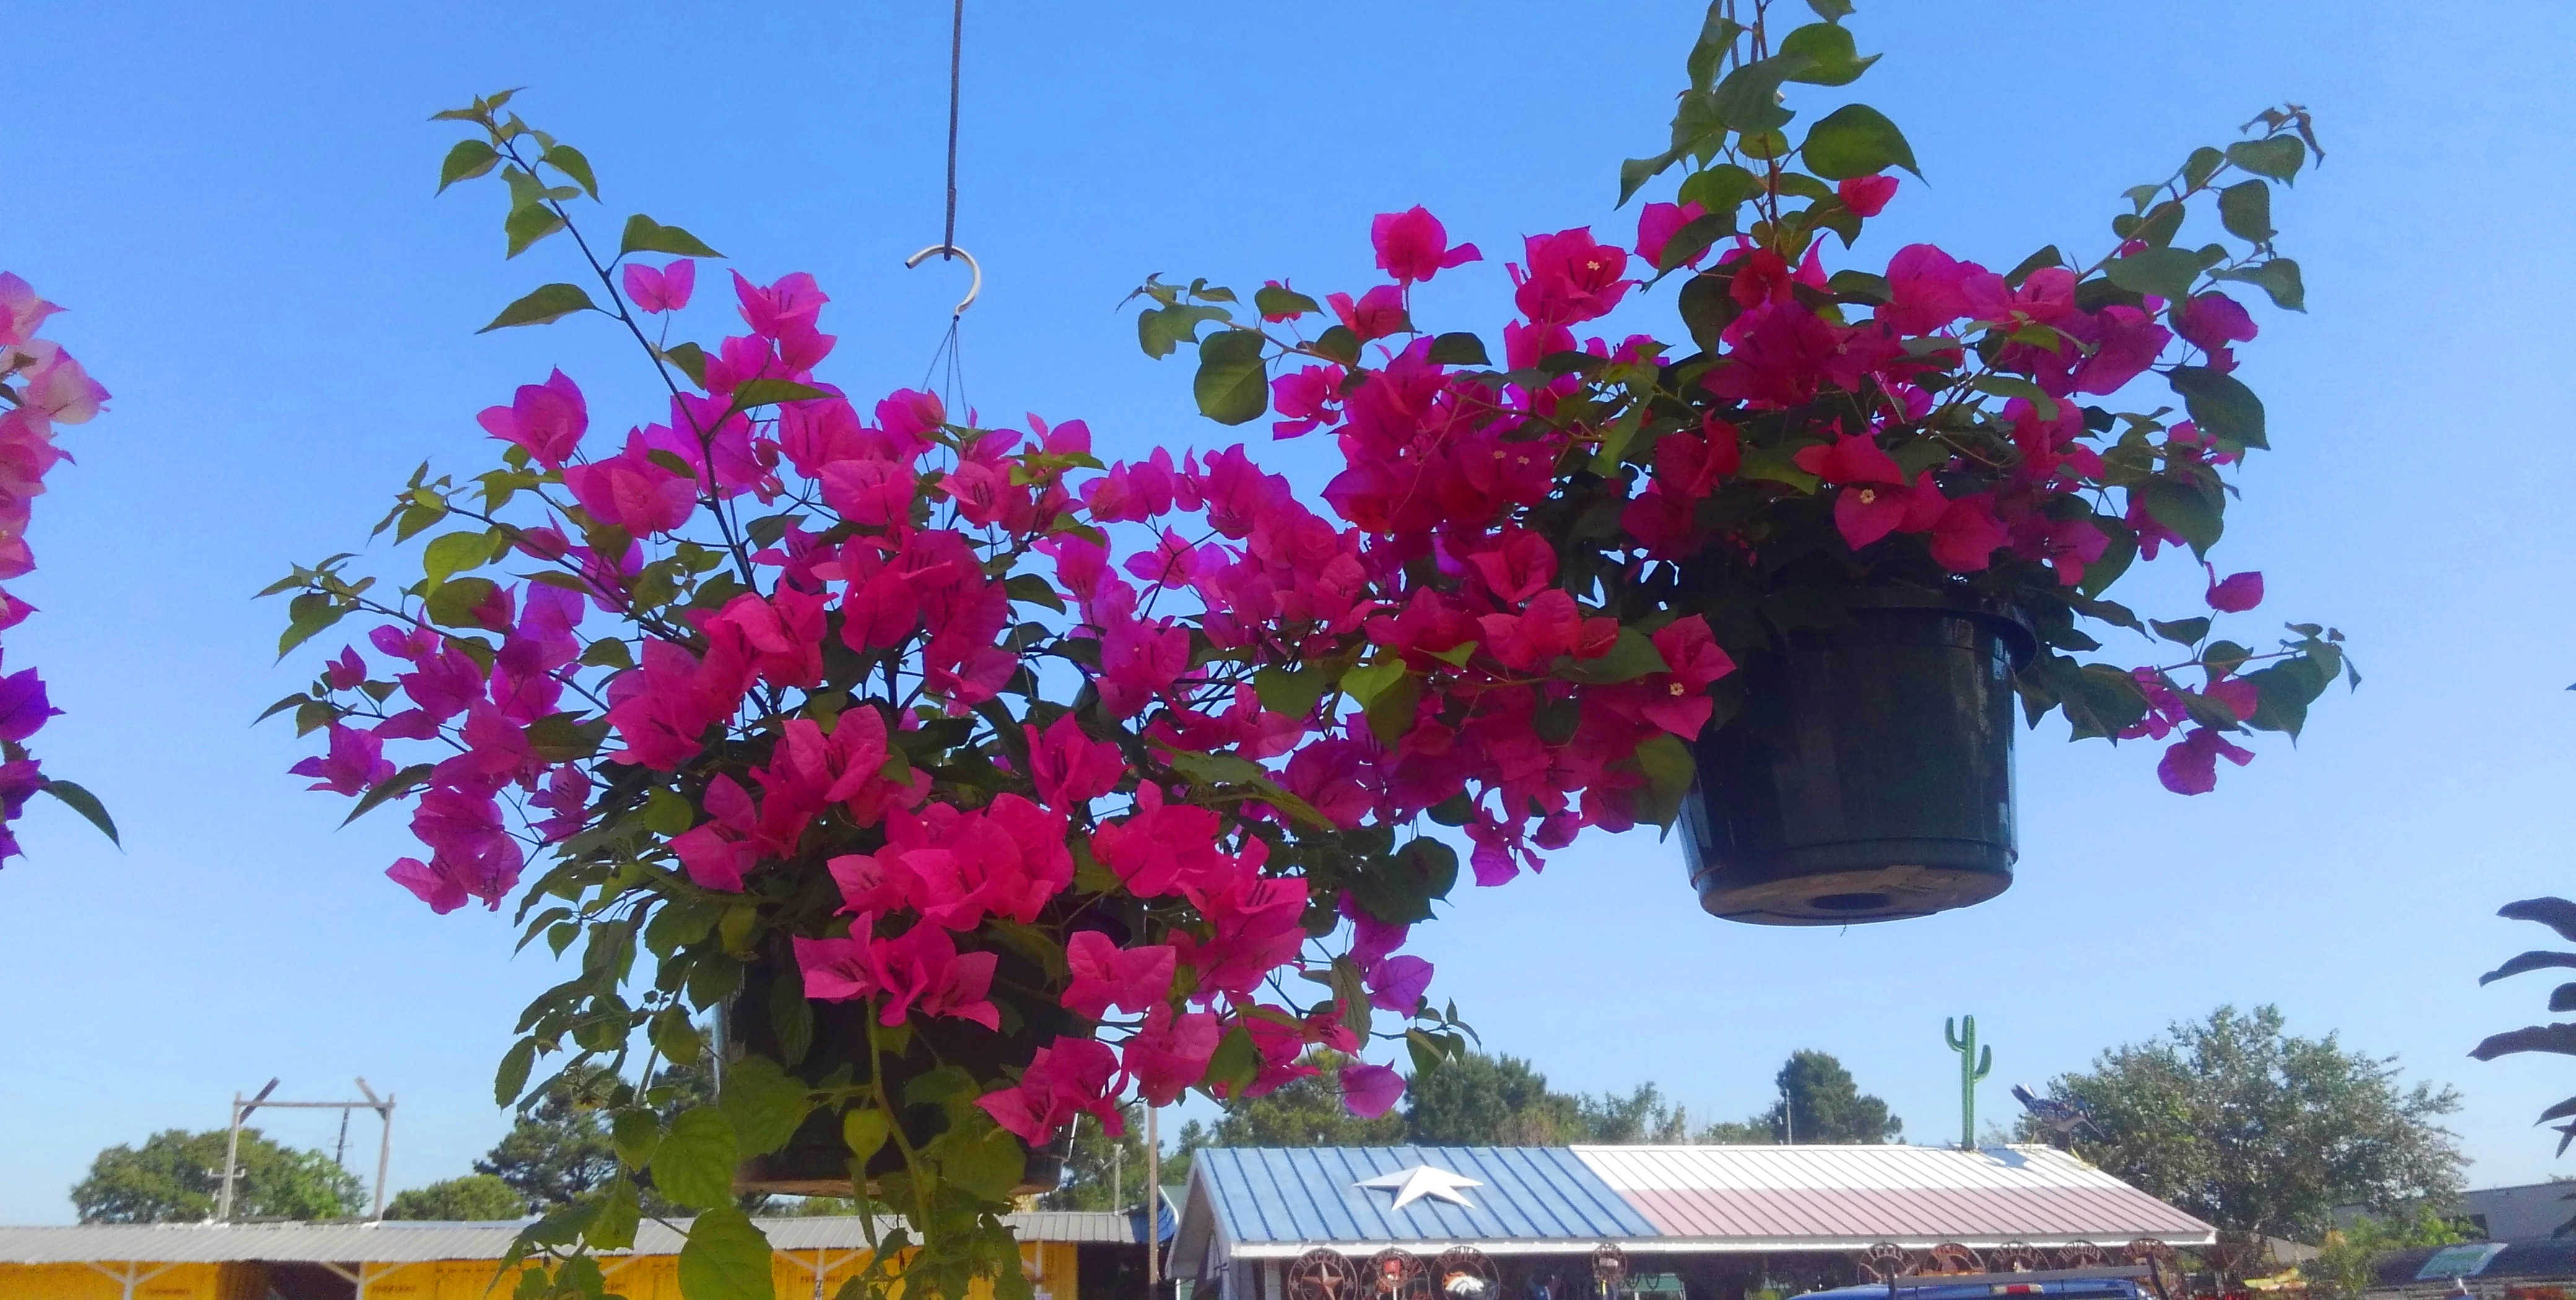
(382, 1106)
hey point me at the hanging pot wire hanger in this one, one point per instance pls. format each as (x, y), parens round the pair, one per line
(950, 383)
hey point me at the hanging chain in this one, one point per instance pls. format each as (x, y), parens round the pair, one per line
(956, 58)
(950, 383)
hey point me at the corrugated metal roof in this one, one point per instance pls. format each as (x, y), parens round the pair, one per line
(1833, 1196)
(411, 1242)
(1264, 1203)
(1307, 1195)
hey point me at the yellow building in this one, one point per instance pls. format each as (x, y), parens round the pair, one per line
(1068, 1256)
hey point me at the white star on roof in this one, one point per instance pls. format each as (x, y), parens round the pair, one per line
(1410, 1185)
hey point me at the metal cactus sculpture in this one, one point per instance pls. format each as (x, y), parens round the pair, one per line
(1974, 1064)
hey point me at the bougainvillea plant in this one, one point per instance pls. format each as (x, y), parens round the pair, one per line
(1135, 770)
(41, 386)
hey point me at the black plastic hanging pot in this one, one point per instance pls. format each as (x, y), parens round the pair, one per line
(1869, 775)
(816, 1160)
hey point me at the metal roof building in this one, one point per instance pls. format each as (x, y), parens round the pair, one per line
(1069, 1255)
(1248, 1210)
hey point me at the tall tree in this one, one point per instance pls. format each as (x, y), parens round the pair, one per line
(2256, 1130)
(1819, 1102)
(1103, 1172)
(176, 1177)
(473, 1198)
(558, 1148)
(1480, 1100)
(1305, 1113)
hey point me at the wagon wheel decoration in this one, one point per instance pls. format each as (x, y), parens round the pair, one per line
(1609, 1267)
(2162, 1273)
(1463, 1273)
(1886, 1262)
(1398, 1275)
(2079, 1254)
(2015, 1257)
(1951, 1257)
(1323, 1274)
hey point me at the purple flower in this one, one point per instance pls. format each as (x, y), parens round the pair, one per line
(23, 706)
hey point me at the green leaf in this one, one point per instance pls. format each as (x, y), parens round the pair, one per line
(1717, 34)
(309, 621)
(452, 553)
(2246, 210)
(529, 223)
(726, 1258)
(1364, 683)
(1460, 349)
(2283, 692)
(1831, 10)
(1722, 188)
(2182, 631)
(1392, 710)
(550, 303)
(1829, 47)
(645, 235)
(1635, 172)
(393, 787)
(452, 604)
(763, 1102)
(1339, 343)
(513, 1077)
(2203, 164)
(2166, 272)
(568, 160)
(1748, 100)
(1669, 771)
(2278, 277)
(694, 1163)
(988, 1164)
(1235, 1061)
(767, 392)
(1856, 140)
(1161, 330)
(1293, 692)
(87, 805)
(1632, 656)
(469, 159)
(1695, 236)
(634, 1132)
(2045, 257)
(2278, 157)
(621, 1207)
(2013, 386)
(2220, 404)
(2185, 509)
(1232, 387)
(1278, 300)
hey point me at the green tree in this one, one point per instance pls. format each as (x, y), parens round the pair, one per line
(2255, 1130)
(1480, 1100)
(472, 1198)
(1102, 1172)
(558, 1148)
(1305, 1113)
(1819, 1103)
(1640, 1116)
(176, 1177)
(2342, 1268)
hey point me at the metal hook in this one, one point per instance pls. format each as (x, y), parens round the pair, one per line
(971, 290)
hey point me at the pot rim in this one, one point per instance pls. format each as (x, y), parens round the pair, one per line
(2010, 624)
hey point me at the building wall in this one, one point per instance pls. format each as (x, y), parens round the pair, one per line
(1050, 1265)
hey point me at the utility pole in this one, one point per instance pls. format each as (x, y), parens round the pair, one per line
(382, 1106)
(1153, 1203)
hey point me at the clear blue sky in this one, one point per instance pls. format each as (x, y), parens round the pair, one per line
(236, 201)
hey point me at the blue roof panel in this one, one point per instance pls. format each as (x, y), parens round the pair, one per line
(1309, 1194)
